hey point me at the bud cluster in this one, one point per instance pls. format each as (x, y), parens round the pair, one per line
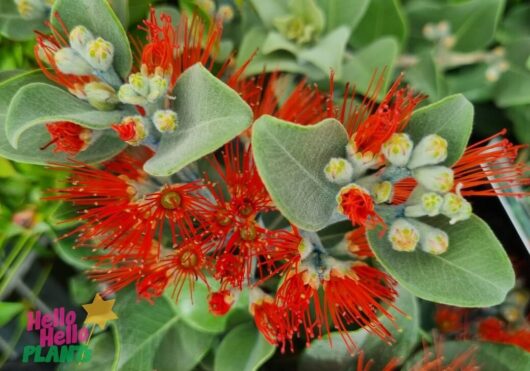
(33, 9)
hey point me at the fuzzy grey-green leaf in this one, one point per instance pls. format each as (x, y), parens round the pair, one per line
(40, 103)
(474, 272)
(291, 160)
(209, 114)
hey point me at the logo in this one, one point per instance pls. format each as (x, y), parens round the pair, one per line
(60, 338)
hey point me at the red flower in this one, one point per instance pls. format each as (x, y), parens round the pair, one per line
(435, 360)
(45, 49)
(494, 330)
(369, 126)
(361, 366)
(68, 137)
(357, 244)
(357, 205)
(450, 319)
(127, 130)
(220, 302)
(489, 169)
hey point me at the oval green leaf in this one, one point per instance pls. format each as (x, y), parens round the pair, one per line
(451, 118)
(243, 349)
(209, 114)
(99, 18)
(291, 160)
(39, 103)
(474, 272)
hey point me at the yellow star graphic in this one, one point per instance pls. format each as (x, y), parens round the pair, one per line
(100, 311)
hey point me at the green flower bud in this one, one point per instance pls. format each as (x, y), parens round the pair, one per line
(101, 96)
(435, 178)
(431, 150)
(338, 170)
(431, 204)
(140, 83)
(432, 240)
(157, 88)
(397, 149)
(31, 9)
(295, 28)
(70, 62)
(382, 192)
(403, 236)
(225, 13)
(100, 54)
(128, 95)
(79, 37)
(165, 121)
(456, 207)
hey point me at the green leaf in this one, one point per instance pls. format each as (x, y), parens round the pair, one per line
(513, 89)
(276, 41)
(194, 311)
(11, 85)
(121, 9)
(383, 18)
(474, 272)
(520, 116)
(209, 113)
(99, 18)
(515, 24)
(451, 118)
(38, 103)
(141, 327)
(243, 349)
(488, 356)
(76, 257)
(81, 289)
(9, 310)
(361, 66)
(6, 169)
(182, 348)
(343, 12)
(320, 356)
(328, 53)
(472, 82)
(268, 11)
(291, 160)
(13, 26)
(104, 353)
(427, 78)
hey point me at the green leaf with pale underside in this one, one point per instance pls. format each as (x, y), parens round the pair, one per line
(291, 160)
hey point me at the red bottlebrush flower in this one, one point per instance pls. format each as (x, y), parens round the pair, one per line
(369, 126)
(231, 270)
(270, 319)
(434, 360)
(129, 163)
(357, 205)
(450, 319)
(361, 366)
(403, 189)
(353, 295)
(45, 49)
(220, 302)
(178, 205)
(357, 244)
(489, 169)
(126, 130)
(494, 330)
(68, 137)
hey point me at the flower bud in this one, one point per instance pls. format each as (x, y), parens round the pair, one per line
(431, 204)
(433, 240)
(225, 13)
(338, 170)
(128, 95)
(71, 63)
(131, 130)
(99, 53)
(101, 95)
(166, 121)
(31, 9)
(382, 192)
(79, 37)
(397, 149)
(140, 83)
(435, 178)
(157, 88)
(431, 150)
(220, 302)
(403, 236)
(305, 248)
(456, 207)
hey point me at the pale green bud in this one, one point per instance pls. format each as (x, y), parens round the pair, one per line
(295, 28)
(431, 204)
(225, 13)
(30, 9)
(128, 95)
(338, 170)
(305, 248)
(456, 208)
(157, 88)
(397, 149)
(99, 53)
(431, 150)
(79, 37)
(432, 240)
(403, 236)
(140, 83)
(435, 178)
(165, 121)
(101, 95)
(70, 62)
(382, 192)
